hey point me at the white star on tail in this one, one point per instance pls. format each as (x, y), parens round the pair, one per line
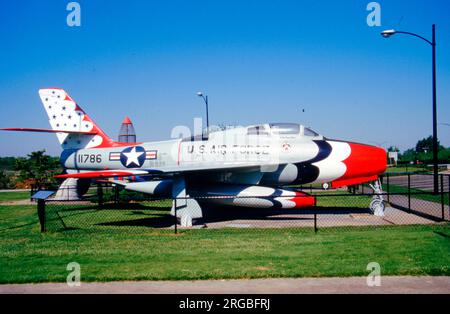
(132, 157)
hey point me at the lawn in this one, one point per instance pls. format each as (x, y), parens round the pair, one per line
(340, 198)
(408, 169)
(125, 252)
(14, 196)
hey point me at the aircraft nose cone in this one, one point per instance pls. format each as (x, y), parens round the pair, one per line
(365, 160)
(379, 159)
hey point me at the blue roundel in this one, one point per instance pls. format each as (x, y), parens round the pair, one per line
(133, 157)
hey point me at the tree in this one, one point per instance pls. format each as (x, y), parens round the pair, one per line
(393, 149)
(426, 145)
(38, 167)
(6, 181)
(444, 155)
(408, 155)
(7, 163)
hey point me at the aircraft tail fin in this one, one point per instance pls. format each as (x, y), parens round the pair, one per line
(73, 127)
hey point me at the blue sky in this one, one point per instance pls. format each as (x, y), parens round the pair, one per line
(259, 61)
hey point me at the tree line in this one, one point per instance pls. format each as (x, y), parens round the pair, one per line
(423, 152)
(36, 169)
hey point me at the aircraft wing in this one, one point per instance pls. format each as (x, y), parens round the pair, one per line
(165, 170)
(103, 174)
(205, 167)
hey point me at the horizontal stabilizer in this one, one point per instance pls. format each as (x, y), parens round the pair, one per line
(48, 131)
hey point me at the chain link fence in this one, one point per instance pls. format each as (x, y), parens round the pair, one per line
(409, 200)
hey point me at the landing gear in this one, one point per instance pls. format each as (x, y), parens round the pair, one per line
(377, 205)
(325, 186)
(184, 207)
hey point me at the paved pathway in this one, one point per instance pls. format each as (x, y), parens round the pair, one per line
(418, 181)
(15, 190)
(325, 218)
(420, 206)
(433, 209)
(389, 284)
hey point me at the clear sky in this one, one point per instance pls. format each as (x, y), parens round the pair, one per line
(259, 61)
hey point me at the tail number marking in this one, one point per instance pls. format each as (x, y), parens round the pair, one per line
(89, 158)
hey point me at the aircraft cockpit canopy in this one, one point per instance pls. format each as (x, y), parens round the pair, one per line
(282, 129)
(285, 128)
(309, 132)
(257, 130)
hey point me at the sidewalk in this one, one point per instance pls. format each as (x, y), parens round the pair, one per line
(420, 206)
(389, 284)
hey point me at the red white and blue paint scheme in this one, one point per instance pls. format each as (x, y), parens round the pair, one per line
(242, 166)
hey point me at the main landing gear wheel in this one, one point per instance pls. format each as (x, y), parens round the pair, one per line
(326, 186)
(377, 205)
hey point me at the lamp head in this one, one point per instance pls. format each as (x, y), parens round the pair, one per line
(388, 33)
(199, 94)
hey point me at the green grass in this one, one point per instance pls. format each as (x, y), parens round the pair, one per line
(119, 252)
(14, 196)
(337, 198)
(150, 213)
(409, 169)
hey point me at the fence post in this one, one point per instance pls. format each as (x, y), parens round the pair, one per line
(41, 213)
(448, 176)
(409, 192)
(175, 210)
(442, 196)
(387, 184)
(315, 220)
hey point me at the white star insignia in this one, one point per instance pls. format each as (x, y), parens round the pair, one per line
(132, 157)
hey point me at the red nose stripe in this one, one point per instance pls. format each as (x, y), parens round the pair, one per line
(364, 161)
(346, 182)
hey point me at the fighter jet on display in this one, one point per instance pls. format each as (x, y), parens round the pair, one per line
(242, 166)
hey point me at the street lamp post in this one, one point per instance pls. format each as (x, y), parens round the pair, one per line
(390, 32)
(205, 98)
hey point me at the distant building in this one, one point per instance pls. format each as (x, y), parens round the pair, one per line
(393, 158)
(127, 133)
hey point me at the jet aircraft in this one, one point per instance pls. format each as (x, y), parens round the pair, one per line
(243, 166)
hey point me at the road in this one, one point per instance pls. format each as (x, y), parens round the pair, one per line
(418, 181)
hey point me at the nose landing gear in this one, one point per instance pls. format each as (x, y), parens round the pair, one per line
(377, 205)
